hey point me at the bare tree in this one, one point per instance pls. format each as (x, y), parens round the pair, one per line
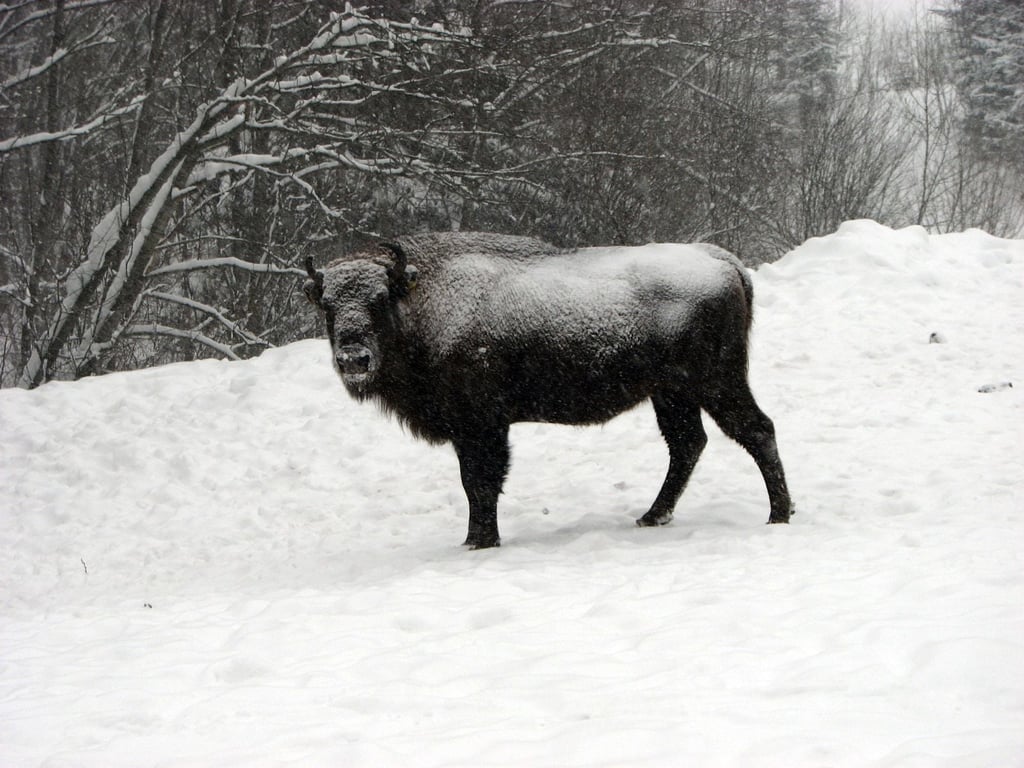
(167, 165)
(368, 124)
(947, 185)
(314, 111)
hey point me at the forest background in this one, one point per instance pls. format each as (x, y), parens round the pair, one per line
(166, 165)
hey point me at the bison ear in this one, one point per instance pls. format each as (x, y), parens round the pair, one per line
(314, 287)
(312, 292)
(401, 275)
(411, 276)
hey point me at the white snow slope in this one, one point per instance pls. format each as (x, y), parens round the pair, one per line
(232, 564)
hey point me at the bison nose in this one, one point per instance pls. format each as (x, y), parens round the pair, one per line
(354, 359)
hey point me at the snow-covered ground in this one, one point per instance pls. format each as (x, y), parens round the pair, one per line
(232, 564)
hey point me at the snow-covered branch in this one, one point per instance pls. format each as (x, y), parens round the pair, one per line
(90, 40)
(27, 74)
(317, 128)
(155, 329)
(213, 312)
(8, 29)
(107, 235)
(223, 261)
(19, 142)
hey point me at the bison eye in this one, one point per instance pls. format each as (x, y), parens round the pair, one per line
(380, 297)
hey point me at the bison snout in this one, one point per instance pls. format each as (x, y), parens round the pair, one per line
(354, 359)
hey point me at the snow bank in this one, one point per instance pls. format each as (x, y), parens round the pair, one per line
(231, 564)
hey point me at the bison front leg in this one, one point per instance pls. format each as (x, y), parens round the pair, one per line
(680, 424)
(483, 462)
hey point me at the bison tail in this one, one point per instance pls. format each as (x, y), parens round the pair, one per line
(744, 275)
(748, 291)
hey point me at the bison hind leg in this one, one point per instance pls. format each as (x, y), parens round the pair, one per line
(680, 424)
(737, 413)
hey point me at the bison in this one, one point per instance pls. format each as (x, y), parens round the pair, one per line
(462, 334)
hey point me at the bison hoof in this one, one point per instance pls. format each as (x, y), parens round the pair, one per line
(482, 543)
(775, 519)
(652, 519)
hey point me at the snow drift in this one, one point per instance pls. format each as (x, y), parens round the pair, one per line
(217, 564)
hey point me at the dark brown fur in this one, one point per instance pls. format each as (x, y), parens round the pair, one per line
(462, 334)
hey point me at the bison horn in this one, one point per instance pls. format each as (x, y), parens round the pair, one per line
(401, 275)
(314, 287)
(400, 257)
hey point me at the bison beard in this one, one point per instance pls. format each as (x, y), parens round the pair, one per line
(462, 334)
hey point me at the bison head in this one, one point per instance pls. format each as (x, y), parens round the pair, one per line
(358, 297)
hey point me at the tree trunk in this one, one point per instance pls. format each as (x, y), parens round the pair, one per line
(44, 227)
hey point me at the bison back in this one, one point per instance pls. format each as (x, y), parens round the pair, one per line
(576, 337)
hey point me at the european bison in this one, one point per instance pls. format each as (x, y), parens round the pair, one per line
(462, 334)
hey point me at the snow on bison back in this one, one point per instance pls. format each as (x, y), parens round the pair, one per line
(462, 334)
